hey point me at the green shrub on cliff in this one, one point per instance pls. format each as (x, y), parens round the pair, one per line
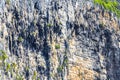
(8, 67)
(4, 56)
(57, 46)
(49, 25)
(19, 77)
(8, 2)
(20, 39)
(60, 68)
(110, 5)
(34, 75)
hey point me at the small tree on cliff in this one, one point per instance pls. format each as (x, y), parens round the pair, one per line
(110, 5)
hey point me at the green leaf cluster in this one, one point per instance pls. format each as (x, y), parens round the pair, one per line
(20, 39)
(57, 46)
(49, 25)
(110, 5)
(13, 65)
(4, 56)
(8, 67)
(8, 2)
(60, 68)
(19, 77)
(34, 75)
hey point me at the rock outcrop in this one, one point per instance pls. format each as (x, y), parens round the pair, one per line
(58, 40)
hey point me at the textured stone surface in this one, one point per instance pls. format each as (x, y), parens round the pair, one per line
(59, 40)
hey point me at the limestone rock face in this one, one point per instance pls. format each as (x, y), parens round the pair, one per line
(58, 40)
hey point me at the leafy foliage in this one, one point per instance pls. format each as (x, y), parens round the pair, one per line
(8, 67)
(34, 75)
(4, 56)
(20, 39)
(13, 65)
(57, 46)
(65, 62)
(49, 25)
(38, 79)
(60, 68)
(110, 5)
(8, 2)
(19, 77)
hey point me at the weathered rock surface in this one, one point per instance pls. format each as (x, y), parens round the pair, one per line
(58, 40)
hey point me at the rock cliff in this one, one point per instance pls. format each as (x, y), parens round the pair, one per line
(58, 40)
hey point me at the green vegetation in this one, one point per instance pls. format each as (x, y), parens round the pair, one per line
(8, 67)
(60, 68)
(34, 33)
(4, 56)
(20, 39)
(13, 65)
(38, 79)
(60, 23)
(57, 46)
(49, 25)
(34, 22)
(19, 77)
(101, 25)
(34, 75)
(13, 68)
(110, 5)
(8, 2)
(65, 62)
(27, 68)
